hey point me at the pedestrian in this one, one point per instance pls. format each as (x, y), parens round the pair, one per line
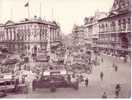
(101, 75)
(117, 90)
(16, 85)
(104, 95)
(34, 84)
(86, 82)
(23, 79)
(81, 78)
(69, 78)
(116, 68)
(125, 59)
(102, 59)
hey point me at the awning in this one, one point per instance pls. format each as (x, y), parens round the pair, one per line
(10, 61)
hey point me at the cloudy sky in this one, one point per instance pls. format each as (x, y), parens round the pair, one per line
(66, 12)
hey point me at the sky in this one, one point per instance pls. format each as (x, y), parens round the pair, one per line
(65, 12)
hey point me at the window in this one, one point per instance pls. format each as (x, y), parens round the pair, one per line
(122, 5)
(113, 26)
(119, 24)
(102, 28)
(28, 47)
(129, 21)
(124, 24)
(28, 37)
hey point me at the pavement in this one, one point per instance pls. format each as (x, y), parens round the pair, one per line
(96, 87)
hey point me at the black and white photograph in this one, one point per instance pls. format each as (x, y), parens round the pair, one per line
(68, 49)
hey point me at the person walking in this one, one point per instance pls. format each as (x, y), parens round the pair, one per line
(34, 83)
(69, 78)
(102, 60)
(125, 59)
(104, 95)
(116, 68)
(16, 85)
(101, 75)
(86, 82)
(117, 90)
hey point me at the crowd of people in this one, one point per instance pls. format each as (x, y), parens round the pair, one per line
(30, 76)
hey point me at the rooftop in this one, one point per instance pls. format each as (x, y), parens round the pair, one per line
(33, 20)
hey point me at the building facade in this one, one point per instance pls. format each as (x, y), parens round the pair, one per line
(79, 53)
(28, 36)
(115, 29)
(78, 36)
(92, 29)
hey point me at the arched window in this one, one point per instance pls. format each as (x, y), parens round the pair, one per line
(103, 28)
(124, 24)
(28, 47)
(119, 24)
(129, 21)
(113, 26)
(128, 24)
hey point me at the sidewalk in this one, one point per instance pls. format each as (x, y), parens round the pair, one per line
(117, 59)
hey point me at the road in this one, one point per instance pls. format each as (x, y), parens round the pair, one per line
(96, 87)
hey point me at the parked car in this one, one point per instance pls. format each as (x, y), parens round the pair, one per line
(6, 85)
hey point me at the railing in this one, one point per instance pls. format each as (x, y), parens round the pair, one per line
(116, 30)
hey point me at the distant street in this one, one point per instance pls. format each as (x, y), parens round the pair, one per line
(96, 87)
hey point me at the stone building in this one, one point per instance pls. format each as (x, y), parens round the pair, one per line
(2, 31)
(29, 36)
(115, 29)
(92, 29)
(80, 46)
(78, 36)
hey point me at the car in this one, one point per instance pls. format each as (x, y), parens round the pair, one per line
(2, 94)
(6, 86)
(54, 79)
(2, 89)
(7, 83)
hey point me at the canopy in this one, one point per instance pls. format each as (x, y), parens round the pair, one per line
(10, 61)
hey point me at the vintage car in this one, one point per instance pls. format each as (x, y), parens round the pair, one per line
(54, 79)
(7, 84)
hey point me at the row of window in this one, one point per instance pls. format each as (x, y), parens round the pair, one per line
(30, 26)
(110, 39)
(12, 35)
(121, 25)
(18, 46)
(123, 4)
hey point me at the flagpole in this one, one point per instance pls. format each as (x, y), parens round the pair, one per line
(44, 9)
(28, 10)
(52, 14)
(11, 12)
(40, 9)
